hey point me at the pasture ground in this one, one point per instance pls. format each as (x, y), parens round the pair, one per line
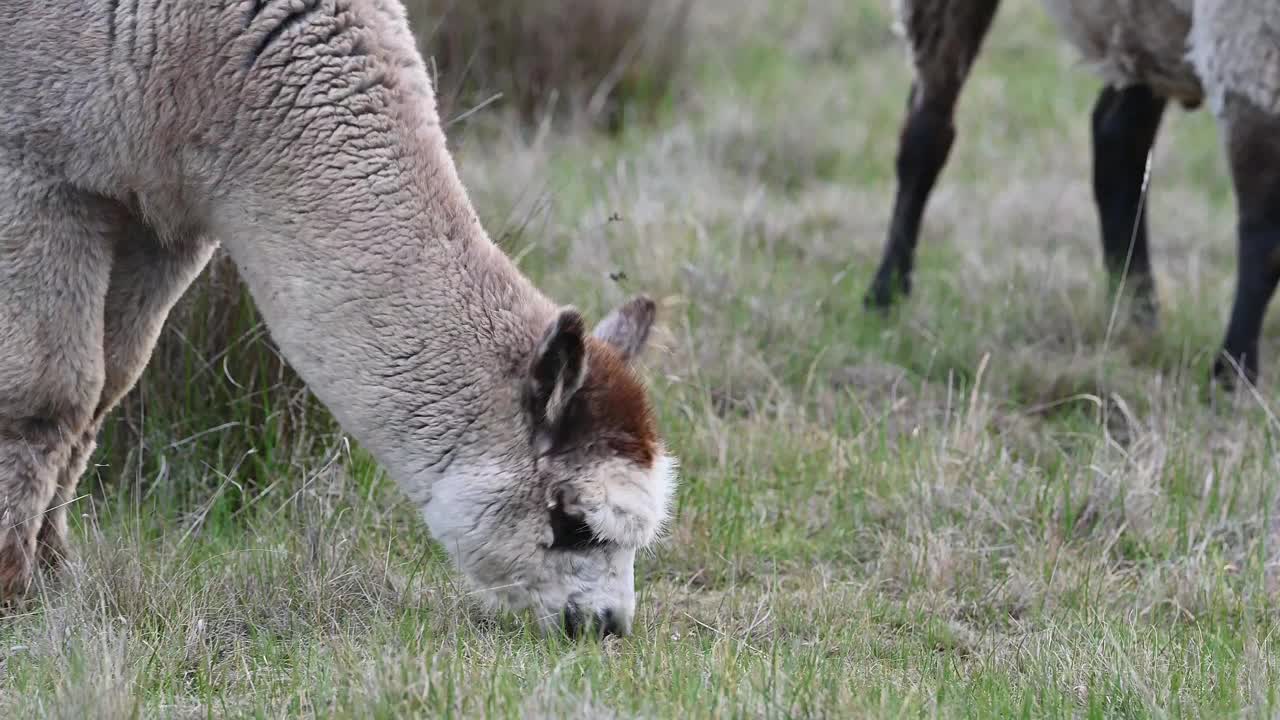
(998, 501)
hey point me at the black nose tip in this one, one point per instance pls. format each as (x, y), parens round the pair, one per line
(573, 622)
(606, 623)
(609, 625)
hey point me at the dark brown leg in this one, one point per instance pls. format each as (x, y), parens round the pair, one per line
(945, 36)
(1125, 123)
(1253, 147)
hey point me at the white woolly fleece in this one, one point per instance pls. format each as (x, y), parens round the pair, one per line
(628, 505)
(1235, 47)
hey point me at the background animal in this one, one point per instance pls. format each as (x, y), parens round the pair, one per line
(1149, 53)
(304, 136)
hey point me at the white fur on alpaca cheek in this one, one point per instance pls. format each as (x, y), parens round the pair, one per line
(666, 473)
(629, 505)
(503, 571)
(454, 498)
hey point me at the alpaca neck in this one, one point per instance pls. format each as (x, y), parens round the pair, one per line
(398, 312)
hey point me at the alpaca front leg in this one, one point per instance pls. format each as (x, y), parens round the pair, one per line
(147, 278)
(53, 280)
(945, 37)
(51, 540)
(31, 451)
(1253, 146)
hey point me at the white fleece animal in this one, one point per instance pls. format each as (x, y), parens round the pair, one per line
(303, 135)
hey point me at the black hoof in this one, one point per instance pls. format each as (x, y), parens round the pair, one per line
(1137, 297)
(1144, 314)
(883, 295)
(1230, 370)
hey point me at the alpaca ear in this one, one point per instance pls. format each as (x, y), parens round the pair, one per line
(627, 327)
(556, 372)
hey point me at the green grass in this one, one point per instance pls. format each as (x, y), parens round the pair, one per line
(984, 505)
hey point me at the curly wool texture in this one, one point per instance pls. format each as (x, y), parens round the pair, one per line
(1235, 46)
(1188, 50)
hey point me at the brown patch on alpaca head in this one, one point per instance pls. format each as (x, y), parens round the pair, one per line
(618, 405)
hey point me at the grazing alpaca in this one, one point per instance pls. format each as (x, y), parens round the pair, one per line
(1149, 51)
(303, 135)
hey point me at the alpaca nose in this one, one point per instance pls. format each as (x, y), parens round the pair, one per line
(607, 622)
(612, 623)
(572, 622)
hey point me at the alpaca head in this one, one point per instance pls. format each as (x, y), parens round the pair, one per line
(552, 522)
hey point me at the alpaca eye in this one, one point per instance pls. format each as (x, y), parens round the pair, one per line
(571, 532)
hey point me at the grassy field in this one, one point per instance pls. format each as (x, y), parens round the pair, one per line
(996, 502)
